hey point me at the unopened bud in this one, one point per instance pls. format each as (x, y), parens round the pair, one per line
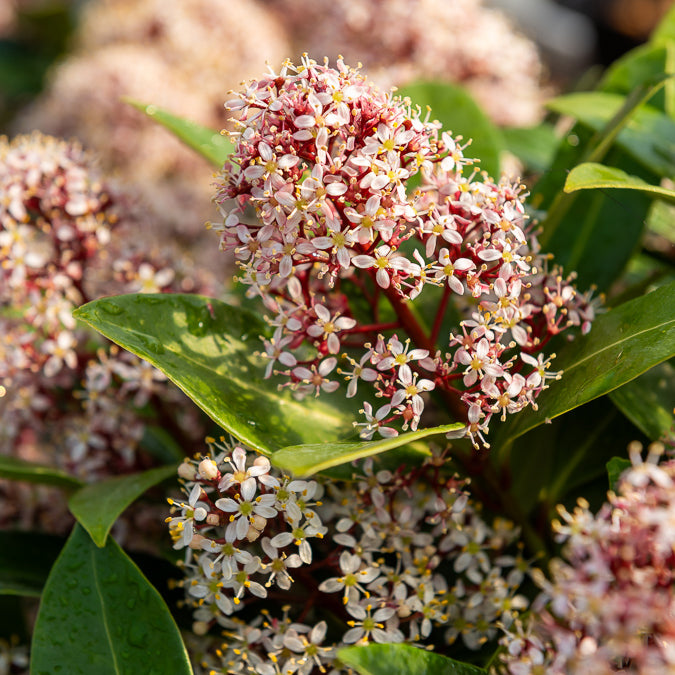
(208, 469)
(187, 471)
(213, 519)
(196, 542)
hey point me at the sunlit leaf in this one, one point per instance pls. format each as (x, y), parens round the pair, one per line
(98, 505)
(591, 176)
(304, 460)
(100, 615)
(209, 143)
(14, 468)
(623, 343)
(649, 136)
(208, 348)
(402, 659)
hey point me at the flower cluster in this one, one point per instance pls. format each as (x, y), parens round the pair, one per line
(610, 603)
(397, 556)
(68, 397)
(338, 247)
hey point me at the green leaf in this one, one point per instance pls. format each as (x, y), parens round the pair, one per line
(304, 460)
(25, 561)
(98, 505)
(638, 67)
(14, 468)
(534, 146)
(649, 400)
(159, 443)
(207, 349)
(615, 467)
(460, 114)
(209, 143)
(649, 135)
(402, 659)
(601, 220)
(665, 31)
(591, 176)
(100, 615)
(623, 343)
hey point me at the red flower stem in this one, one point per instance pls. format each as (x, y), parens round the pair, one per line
(409, 323)
(436, 329)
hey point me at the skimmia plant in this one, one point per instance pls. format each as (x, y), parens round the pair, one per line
(401, 476)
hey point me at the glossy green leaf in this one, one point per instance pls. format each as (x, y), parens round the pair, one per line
(14, 468)
(601, 220)
(100, 615)
(579, 224)
(402, 659)
(623, 343)
(615, 467)
(98, 505)
(649, 401)
(25, 561)
(641, 65)
(649, 136)
(534, 146)
(665, 31)
(555, 463)
(460, 114)
(207, 348)
(591, 176)
(304, 460)
(209, 143)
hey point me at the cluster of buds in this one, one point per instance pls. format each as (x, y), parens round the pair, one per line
(64, 241)
(610, 602)
(398, 556)
(339, 246)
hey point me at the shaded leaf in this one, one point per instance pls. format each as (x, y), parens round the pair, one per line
(207, 349)
(460, 114)
(534, 146)
(649, 136)
(649, 401)
(623, 343)
(98, 505)
(590, 176)
(209, 143)
(25, 561)
(304, 460)
(556, 463)
(402, 659)
(160, 444)
(14, 468)
(100, 615)
(615, 467)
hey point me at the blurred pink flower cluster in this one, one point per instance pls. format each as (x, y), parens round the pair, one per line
(610, 603)
(182, 56)
(67, 397)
